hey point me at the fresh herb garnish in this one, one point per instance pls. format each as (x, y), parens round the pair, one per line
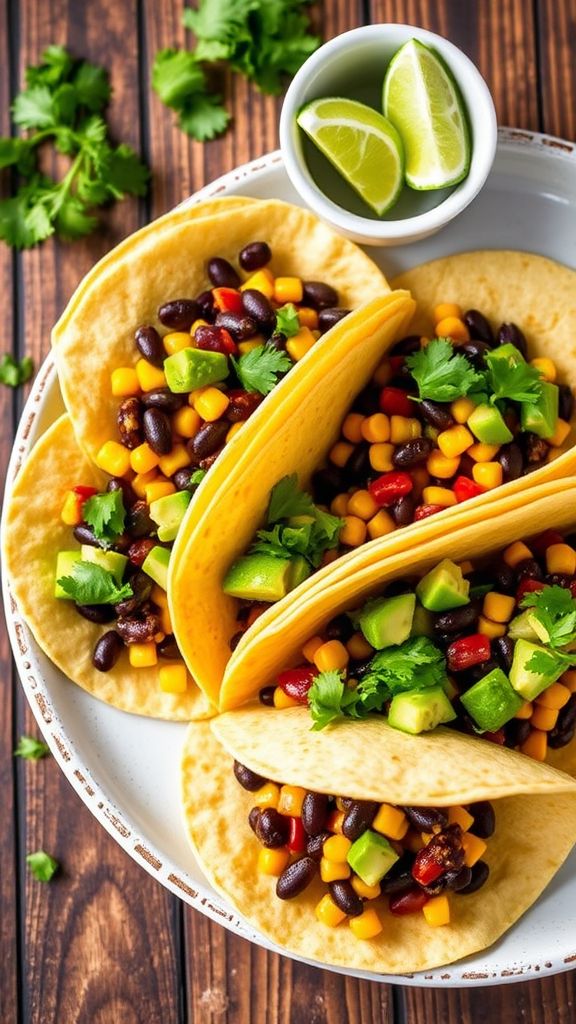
(105, 513)
(329, 698)
(259, 369)
(286, 500)
(31, 749)
(42, 865)
(197, 477)
(549, 663)
(512, 380)
(555, 609)
(12, 372)
(287, 321)
(91, 584)
(309, 532)
(181, 84)
(62, 103)
(441, 374)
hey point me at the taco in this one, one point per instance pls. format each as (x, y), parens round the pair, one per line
(395, 857)
(49, 546)
(427, 437)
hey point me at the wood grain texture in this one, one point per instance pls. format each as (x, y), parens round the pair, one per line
(557, 46)
(550, 1001)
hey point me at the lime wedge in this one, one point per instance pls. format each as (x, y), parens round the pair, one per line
(361, 144)
(423, 102)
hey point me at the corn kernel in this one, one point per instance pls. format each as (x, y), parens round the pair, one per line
(474, 849)
(143, 458)
(234, 429)
(488, 474)
(555, 696)
(362, 504)
(439, 466)
(483, 452)
(291, 800)
(365, 891)
(437, 911)
(212, 404)
(244, 347)
(438, 496)
(391, 822)
(489, 628)
(141, 481)
(544, 718)
(404, 428)
(339, 505)
(462, 409)
(176, 341)
(177, 459)
(330, 871)
(283, 700)
(267, 796)
(376, 428)
(143, 655)
(498, 607)
(358, 647)
(158, 596)
(466, 567)
(454, 441)
(334, 822)
(124, 382)
(300, 344)
(452, 327)
(380, 525)
(446, 309)
(352, 427)
(383, 374)
(380, 456)
(366, 925)
(561, 558)
(165, 622)
(561, 431)
(546, 367)
(71, 513)
(186, 422)
(340, 453)
(459, 816)
(310, 647)
(308, 317)
(331, 656)
(288, 289)
(536, 745)
(353, 533)
(150, 377)
(113, 458)
(273, 862)
(525, 712)
(159, 488)
(262, 280)
(516, 553)
(328, 913)
(336, 848)
(568, 679)
(172, 677)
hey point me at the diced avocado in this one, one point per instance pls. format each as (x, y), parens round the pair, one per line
(193, 368)
(168, 513)
(371, 856)
(259, 577)
(488, 426)
(521, 627)
(65, 562)
(301, 570)
(492, 701)
(112, 561)
(541, 414)
(301, 520)
(420, 710)
(422, 623)
(155, 565)
(507, 351)
(528, 682)
(540, 631)
(388, 620)
(443, 588)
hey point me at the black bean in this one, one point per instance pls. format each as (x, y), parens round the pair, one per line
(558, 738)
(138, 521)
(565, 402)
(319, 295)
(511, 459)
(410, 453)
(358, 466)
(208, 440)
(182, 480)
(107, 651)
(85, 535)
(405, 347)
(529, 569)
(367, 402)
(205, 303)
(330, 317)
(455, 881)
(247, 778)
(257, 306)
(478, 326)
(456, 620)
(238, 325)
(164, 399)
(505, 579)
(129, 418)
(399, 877)
(480, 873)
(567, 716)
(535, 449)
(168, 648)
(157, 431)
(139, 628)
(179, 314)
(339, 628)
(295, 878)
(241, 405)
(327, 483)
(475, 352)
(484, 818)
(358, 818)
(222, 273)
(278, 341)
(314, 813)
(254, 818)
(273, 828)
(424, 818)
(558, 579)
(510, 334)
(503, 651)
(98, 613)
(141, 585)
(516, 732)
(346, 898)
(149, 345)
(266, 696)
(315, 845)
(403, 510)
(118, 484)
(436, 414)
(254, 255)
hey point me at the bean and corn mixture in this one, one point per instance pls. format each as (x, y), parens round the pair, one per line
(373, 857)
(489, 651)
(188, 394)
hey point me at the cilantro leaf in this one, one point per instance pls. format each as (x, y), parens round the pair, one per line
(287, 321)
(106, 515)
(555, 609)
(15, 373)
(329, 698)
(91, 86)
(31, 749)
(549, 663)
(42, 865)
(414, 665)
(176, 76)
(260, 369)
(56, 65)
(125, 173)
(440, 373)
(91, 584)
(287, 500)
(203, 117)
(512, 380)
(73, 220)
(309, 532)
(32, 108)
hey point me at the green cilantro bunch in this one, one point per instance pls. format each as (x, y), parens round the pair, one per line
(442, 375)
(296, 526)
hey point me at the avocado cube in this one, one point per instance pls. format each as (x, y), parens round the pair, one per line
(521, 627)
(423, 622)
(193, 368)
(528, 682)
(112, 561)
(417, 711)
(259, 577)
(443, 588)
(168, 513)
(492, 701)
(155, 565)
(388, 620)
(371, 856)
(541, 414)
(65, 562)
(488, 426)
(301, 570)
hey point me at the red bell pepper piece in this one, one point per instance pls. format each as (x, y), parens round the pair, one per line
(544, 540)
(297, 681)
(395, 402)
(227, 300)
(386, 489)
(426, 868)
(498, 737)
(409, 902)
(296, 836)
(468, 651)
(528, 587)
(215, 339)
(423, 511)
(465, 488)
(84, 491)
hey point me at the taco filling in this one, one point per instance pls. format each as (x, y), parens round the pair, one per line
(488, 649)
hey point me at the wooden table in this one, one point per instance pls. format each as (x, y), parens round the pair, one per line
(104, 944)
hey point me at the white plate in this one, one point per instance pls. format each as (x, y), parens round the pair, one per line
(125, 768)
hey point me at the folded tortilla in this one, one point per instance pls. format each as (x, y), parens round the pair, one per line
(535, 827)
(32, 536)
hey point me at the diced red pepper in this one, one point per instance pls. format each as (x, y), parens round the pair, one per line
(215, 339)
(386, 489)
(468, 651)
(543, 541)
(423, 511)
(426, 868)
(227, 300)
(528, 587)
(84, 491)
(465, 488)
(498, 737)
(296, 836)
(395, 402)
(297, 681)
(408, 902)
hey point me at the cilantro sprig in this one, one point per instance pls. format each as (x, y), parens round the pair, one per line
(106, 514)
(512, 380)
(42, 865)
(287, 321)
(62, 104)
(441, 374)
(15, 372)
(296, 525)
(31, 749)
(555, 609)
(260, 369)
(91, 584)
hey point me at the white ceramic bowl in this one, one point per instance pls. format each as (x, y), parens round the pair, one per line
(353, 65)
